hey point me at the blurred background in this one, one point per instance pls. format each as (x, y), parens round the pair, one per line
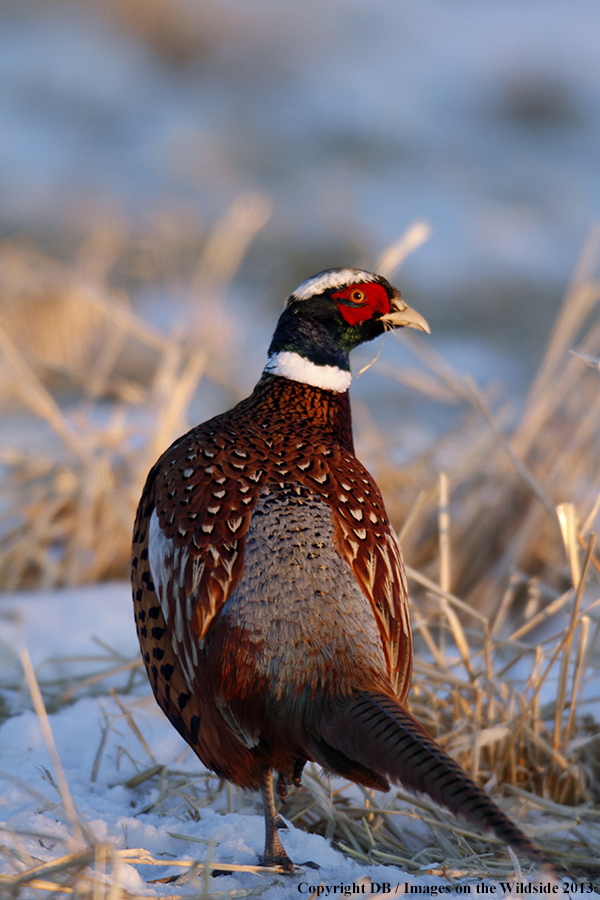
(170, 170)
(352, 118)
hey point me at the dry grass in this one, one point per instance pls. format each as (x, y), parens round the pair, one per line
(503, 563)
(506, 481)
(68, 511)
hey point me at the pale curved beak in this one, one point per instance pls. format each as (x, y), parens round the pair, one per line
(402, 315)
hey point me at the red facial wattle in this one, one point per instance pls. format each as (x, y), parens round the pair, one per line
(360, 302)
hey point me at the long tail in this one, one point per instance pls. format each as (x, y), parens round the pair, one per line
(375, 739)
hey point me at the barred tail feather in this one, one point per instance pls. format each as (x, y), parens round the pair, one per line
(377, 738)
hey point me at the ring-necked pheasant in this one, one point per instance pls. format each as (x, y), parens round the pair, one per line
(269, 589)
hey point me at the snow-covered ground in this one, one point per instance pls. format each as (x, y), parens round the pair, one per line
(60, 631)
(62, 624)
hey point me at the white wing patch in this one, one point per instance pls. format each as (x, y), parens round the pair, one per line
(160, 553)
(166, 563)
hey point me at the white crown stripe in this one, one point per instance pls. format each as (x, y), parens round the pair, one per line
(332, 278)
(297, 368)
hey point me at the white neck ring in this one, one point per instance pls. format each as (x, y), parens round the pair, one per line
(297, 368)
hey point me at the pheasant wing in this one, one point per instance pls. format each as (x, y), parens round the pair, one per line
(366, 540)
(188, 551)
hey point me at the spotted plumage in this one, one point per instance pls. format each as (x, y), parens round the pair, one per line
(269, 589)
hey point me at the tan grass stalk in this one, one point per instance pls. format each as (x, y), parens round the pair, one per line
(437, 676)
(35, 396)
(422, 382)
(62, 864)
(174, 383)
(580, 298)
(420, 625)
(577, 673)
(505, 604)
(594, 561)
(433, 588)
(587, 525)
(80, 829)
(100, 751)
(146, 775)
(568, 527)
(544, 614)
(530, 480)
(411, 516)
(18, 853)
(188, 837)
(115, 891)
(133, 725)
(516, 730)
(459, 635)
(100, 871)
(444, 532)
(30, 832)
(125, 320)
(559, 810)
(100, 676)
(392, 258)
(27, 789)
(581, 574)
(39, 884)
(140, 857)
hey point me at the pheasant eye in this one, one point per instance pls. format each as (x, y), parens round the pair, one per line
(357, 296)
